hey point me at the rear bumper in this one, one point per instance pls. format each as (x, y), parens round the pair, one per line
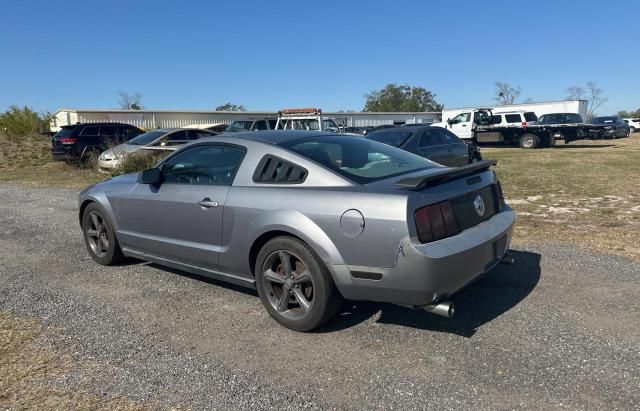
(64, 156)
(425, 273)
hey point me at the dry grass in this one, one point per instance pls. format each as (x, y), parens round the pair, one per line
(586, 193)
(28, 161)
(32, 374)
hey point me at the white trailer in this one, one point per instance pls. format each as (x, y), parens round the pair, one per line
(545, 107)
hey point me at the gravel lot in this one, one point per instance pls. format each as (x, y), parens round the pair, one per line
(560, 329)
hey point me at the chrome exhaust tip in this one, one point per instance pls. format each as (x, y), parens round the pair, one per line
(444, 309)
(508, 259)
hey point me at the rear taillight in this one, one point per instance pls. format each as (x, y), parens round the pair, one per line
(68, 140)
(524, 124)
(435, 222)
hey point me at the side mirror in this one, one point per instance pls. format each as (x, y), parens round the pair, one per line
(151, 176)
(449, 121)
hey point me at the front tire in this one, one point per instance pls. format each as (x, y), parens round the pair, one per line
(99, 236)
(529, 141)
(294, 285)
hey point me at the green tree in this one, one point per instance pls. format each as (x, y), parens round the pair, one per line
(629, 114)
(21, 121)
(231, 107)
(401, 98)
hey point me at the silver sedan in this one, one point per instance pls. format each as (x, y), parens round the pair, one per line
(307, 218)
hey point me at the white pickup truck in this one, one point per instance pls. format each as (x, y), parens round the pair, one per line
(305, 119)
(482, 125)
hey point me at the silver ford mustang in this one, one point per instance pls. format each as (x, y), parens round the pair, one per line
(307, 218)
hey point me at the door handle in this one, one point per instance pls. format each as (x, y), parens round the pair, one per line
(207, 203)
(464, 125)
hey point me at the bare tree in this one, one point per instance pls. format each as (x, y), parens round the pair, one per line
(505, 93)
(596, 98)
(575, 93)
(130, 101)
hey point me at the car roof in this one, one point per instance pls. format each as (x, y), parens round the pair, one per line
(102, 123)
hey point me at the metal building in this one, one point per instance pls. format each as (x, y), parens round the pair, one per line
(150, 119)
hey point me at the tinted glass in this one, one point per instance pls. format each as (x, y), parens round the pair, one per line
(358, 159)
(496, 119)
(530, 116)
(129, 132)
(512, 118)
(208, 165)
(240, 125)
(448, 137)
(177, 137)
(65, 132)
(604, 120)
(90, 131)
(272, 124)
(108, 131)
(429, 138)
(260, 125)
(392, 138)
(146, 138)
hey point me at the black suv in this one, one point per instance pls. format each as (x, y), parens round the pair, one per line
(80, 141)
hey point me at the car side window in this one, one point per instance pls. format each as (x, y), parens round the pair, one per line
(260, 125)
(179, 137)
(428, 138)
(512, 118)
(90, 131)
(108, 131)
(447, 137)
(461, 118)
(129, 132)
(204, 165)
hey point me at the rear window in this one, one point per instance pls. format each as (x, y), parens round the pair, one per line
(90, 131)
(392, 138)
(604, 120)
(496, 119)
(360, 160)
(146, 138)
(65, 132)
(530, 116)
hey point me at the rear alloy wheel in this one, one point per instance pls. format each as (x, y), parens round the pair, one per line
(294, 285)
(99, 236)
(529, 141)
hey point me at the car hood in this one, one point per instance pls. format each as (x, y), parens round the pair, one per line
(120, 150)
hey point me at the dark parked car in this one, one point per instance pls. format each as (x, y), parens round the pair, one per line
(382, 127)
(358, 130)
(435, 143)
(615, 126)
(560, 118)
(251, 125)
(80, 141)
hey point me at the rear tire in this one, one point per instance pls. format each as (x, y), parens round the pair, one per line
(529, 141)
(632, 130)
(99, 236)
(294, 285)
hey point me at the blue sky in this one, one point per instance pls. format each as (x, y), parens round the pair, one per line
(269, 55)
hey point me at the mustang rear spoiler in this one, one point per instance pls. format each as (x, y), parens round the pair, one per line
(420, 182)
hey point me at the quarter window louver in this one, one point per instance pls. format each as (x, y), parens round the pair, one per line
(275, 170)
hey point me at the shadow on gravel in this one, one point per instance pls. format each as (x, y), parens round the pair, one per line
(486, 299)
(208, 280)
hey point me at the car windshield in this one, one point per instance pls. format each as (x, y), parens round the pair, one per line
(360, 160)
(146, 138)
(240, 125)
(392, 138)
(604, 120)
